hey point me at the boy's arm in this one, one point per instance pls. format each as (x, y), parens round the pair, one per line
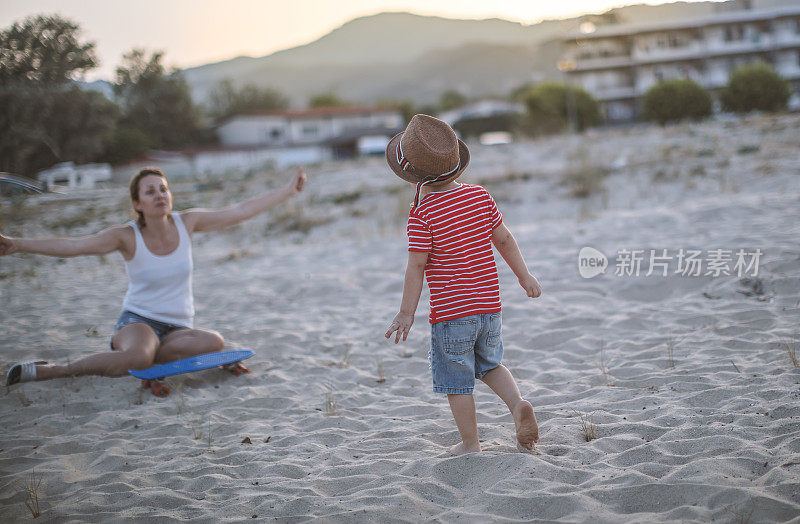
(507, 246)
(415, 273)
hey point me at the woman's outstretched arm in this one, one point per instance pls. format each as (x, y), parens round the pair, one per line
(106, 241)
(213, 219)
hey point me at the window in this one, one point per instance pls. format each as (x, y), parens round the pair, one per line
(754, 33)
(309, 130)
(733, 33)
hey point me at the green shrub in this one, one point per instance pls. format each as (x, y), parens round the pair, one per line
(476, 126)
(755, 87)
(451, 99)
(127, 143)
(674, 100)
(548, 108)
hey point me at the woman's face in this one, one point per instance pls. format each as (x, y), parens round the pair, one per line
(155, 197)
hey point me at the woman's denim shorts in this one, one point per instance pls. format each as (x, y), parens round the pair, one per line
(464, 349)
(161, 329)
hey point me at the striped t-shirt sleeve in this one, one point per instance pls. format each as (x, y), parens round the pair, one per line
(497, 217)
(419, 235)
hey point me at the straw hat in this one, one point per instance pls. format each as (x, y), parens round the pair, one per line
(427, 152)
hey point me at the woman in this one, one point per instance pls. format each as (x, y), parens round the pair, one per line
(157, 321)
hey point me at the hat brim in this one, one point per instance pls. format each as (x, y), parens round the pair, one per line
(411, 175)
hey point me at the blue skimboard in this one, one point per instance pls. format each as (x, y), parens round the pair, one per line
(196, 363)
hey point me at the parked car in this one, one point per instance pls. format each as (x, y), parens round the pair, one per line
(12, 185)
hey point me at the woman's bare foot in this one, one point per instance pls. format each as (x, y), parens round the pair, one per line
(461, 448)
(525, 420)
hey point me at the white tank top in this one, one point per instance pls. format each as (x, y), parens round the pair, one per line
(160, 287)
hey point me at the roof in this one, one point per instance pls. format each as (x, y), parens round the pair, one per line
(352, 135)
(692, 23)
(319, 112)
(220, 148)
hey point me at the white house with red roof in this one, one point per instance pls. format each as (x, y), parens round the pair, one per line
(280, 139)
(309, 126)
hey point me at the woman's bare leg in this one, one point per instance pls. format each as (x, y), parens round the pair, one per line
(137, 348)
(136, 343)
(185, 343)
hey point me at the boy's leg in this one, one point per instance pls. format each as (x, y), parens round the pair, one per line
(502, 382)
(463, 408)
(453, 370)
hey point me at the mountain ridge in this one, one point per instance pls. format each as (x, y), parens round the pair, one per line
(405, 56)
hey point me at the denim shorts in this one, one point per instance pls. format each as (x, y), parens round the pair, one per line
(161, 329)
(464, 349)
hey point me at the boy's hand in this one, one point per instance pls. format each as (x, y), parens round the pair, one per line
(402, 325)
(531, 286)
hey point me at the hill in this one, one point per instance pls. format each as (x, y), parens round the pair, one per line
(407, 56)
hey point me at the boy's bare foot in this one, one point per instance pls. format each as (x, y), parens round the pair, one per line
(461, 448)
(527, 428)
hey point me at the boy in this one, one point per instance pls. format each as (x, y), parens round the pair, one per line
(451, 228)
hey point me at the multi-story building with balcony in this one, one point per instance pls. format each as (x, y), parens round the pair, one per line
(618, 64)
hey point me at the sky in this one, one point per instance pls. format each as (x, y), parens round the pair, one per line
(196, 32)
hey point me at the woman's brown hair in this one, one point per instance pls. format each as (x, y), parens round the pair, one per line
(134, 187)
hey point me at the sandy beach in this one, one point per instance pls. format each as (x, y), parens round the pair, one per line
(685, 382)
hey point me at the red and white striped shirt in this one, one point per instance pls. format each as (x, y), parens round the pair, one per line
(455, 228)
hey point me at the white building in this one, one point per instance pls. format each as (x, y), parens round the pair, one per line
(618, 64)
(215, 161)
(277, 140)
(306, 127)
(75, 177)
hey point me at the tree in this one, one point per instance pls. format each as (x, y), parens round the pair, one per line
(427, 109)
(451, 99)
(678, 99)
(476, 126)
(126, 143)
(43, 126)
(329, 99)
(44, 50)
(156, 102)
(549, 106)
(44, 117)
(227, 101)
(79, 123)
(520, 93)
(755, 87)
(406, 107)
